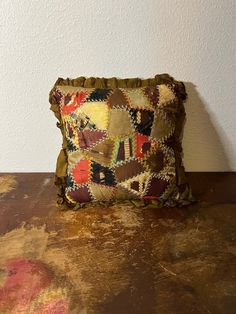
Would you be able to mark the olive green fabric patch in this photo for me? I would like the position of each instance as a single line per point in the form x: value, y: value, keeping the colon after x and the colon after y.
x: 121, y: 141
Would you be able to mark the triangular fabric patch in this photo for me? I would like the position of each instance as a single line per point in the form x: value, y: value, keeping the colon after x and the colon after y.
x: 137, y: 184
x: 165, y: 94
x: 101, y: 192
x: 88, y: 138
x: 117, y: 99
x: 138, y: 99
x: 99, y: 94
x: 102, y: 153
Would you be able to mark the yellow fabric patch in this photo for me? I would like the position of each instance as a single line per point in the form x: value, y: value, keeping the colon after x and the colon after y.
x: 165, y: 94
x: 137, y: 184
x: 101, y: 192
x: 74, y: 158
x: 97, y: 111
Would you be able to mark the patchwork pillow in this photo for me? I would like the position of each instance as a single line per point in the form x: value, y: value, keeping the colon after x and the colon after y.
x: 121, y: 141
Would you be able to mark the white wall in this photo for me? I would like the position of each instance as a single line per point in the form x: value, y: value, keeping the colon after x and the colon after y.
x: 193, y: 40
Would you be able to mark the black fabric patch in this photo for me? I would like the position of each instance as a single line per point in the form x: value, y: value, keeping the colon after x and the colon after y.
x: 135, y: 186
x: 102, y: 175
x: 143, y: 120
x: 69, y: 181
x: 99, y: 94
x: 70, y: 146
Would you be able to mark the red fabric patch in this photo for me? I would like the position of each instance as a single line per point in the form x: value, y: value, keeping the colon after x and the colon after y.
x: 81, y: 172
x: 143, y: 145
x: 77, y: 101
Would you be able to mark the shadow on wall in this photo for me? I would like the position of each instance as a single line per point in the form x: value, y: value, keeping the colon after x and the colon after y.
x: 203, y: 149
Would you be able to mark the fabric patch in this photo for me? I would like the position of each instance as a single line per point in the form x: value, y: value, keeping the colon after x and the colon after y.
x: 156, y: 188
x: 137, y: 184
x: 69, y: 181
x: 165, y: 94
x: 128, y: 170
x: 70, y: 145
x: 161, y: 128
x: 80, y: 195
x: 88, y: 138
x: 80, y: 122
x: 97, y: 112
x: 143, y: 145
x: 138, y: 99
x: 99, y: 94
x: 142, y: 120
x: 117, y: 99
x: 155, y: 161
x: 118, y: 118
x: 81, y: 172
x: 101, y: 192
x: 102, y: 175
x: 122, y: 193
x: 125, y: 149
x: 152, y: 92
x: 72, y: 102
x: 103, y: 152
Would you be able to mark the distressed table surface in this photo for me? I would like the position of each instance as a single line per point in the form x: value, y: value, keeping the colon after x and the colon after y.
x: 117, y: 259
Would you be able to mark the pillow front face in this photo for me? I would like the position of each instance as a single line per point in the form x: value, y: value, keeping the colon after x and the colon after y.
x: 120, y: 143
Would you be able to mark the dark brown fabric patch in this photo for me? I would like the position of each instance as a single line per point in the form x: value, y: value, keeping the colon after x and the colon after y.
x: 156, y: 187
x: 156, y: 161
x: 135, y: 185
x: 128, y: 170
x: 125, y: 149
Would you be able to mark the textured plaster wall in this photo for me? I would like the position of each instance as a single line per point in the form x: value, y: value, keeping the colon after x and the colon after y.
x: 194, y: 40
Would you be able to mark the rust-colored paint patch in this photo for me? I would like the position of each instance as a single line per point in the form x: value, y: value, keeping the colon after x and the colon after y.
x: 7, y: 184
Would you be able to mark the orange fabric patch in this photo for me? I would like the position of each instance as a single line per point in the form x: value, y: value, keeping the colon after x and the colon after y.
x: 81, y: 172
x: 143, y: 145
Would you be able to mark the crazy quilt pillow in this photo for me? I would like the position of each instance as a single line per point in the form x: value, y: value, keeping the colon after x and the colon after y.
x: 121, y: 140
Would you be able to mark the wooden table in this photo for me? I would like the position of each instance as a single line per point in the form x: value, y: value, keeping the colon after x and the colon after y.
x: 117, y: 259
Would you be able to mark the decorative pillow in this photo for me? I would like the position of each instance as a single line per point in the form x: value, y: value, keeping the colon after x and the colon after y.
x: 121, y: 140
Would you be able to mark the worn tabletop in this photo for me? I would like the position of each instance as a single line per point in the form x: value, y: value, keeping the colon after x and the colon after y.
x: 117, y: 259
